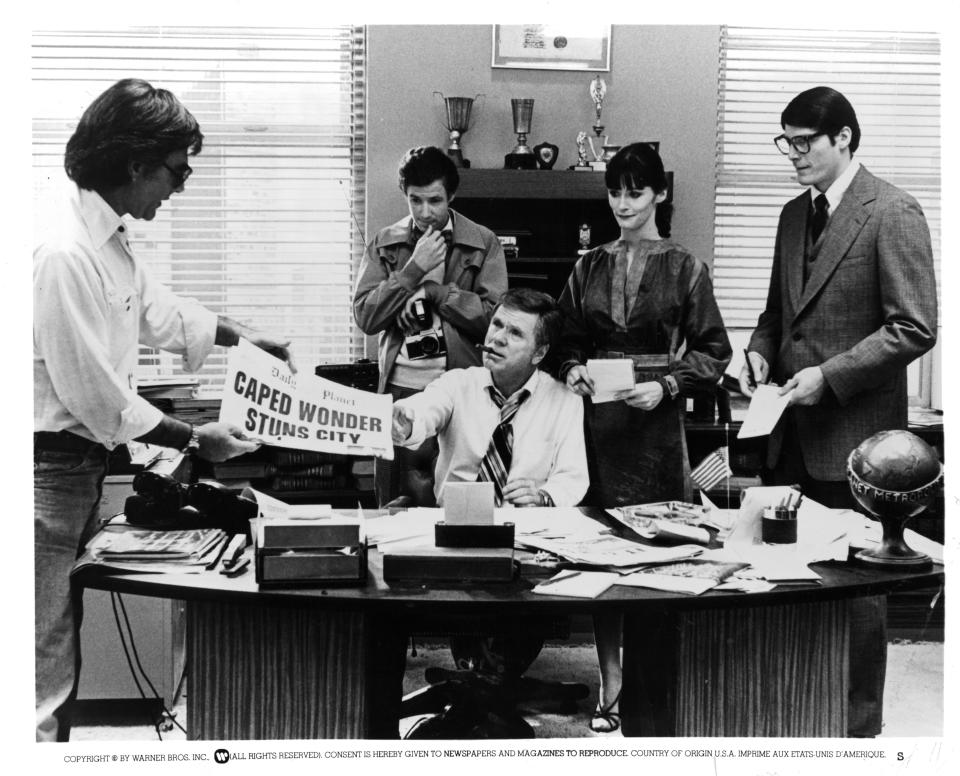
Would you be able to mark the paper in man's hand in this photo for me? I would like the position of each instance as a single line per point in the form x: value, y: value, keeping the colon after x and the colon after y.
x: 765, y: 410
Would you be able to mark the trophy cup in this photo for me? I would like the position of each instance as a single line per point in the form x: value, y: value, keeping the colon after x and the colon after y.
x: 458, y: 122
x: 521, y: 158
x: 598, y: 90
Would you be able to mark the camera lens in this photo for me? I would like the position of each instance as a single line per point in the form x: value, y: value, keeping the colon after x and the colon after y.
x: 430, y: 345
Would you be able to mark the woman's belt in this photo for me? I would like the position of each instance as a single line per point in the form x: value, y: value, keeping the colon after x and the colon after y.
x: 648, y: 366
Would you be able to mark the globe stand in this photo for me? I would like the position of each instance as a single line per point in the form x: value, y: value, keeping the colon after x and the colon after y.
x: 894, y: 475
x: 893, y: 550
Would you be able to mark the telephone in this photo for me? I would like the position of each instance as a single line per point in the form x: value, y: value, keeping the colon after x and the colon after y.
x: 160, y: 503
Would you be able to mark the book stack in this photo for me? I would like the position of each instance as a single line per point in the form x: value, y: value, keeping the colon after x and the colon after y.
x: 290, y: 475
x: 180, y: 398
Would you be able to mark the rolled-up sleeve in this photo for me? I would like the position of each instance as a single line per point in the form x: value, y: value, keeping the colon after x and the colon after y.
x: 178, y: 324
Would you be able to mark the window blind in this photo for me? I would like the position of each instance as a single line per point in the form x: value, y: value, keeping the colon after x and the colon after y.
x: 892, y: 79
x: 265, y: 229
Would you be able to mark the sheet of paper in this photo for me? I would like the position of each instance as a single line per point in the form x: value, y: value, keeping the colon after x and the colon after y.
x: 765, y: 410
x: 549, y: 522
x: 302, y: 411
x: 866, y: 533
x: 468, y: 503
x: 721, y: 519
x: 668, y: 582
x: 270, y: 507
x: 610, y: 376
x: 412, y: 526
x: 773, y: 562
x: 578, y: 584
x: 607, y: 550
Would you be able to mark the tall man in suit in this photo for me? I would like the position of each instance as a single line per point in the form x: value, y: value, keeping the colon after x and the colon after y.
x: 852, y: 301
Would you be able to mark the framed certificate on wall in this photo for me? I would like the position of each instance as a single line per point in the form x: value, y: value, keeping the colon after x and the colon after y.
x: 552, y: 46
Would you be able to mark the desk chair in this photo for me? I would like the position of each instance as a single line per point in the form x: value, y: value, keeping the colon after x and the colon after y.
x: 481, y: 696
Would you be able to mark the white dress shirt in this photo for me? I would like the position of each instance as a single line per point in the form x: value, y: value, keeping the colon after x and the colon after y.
x: 94, y: 302
x: 548, y: 444
x: 838, y: 188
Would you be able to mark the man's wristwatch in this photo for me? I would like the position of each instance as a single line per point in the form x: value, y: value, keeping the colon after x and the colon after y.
x: 193, y: 446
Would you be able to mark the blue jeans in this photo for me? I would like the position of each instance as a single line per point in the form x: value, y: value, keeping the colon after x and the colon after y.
x: 66, y: 492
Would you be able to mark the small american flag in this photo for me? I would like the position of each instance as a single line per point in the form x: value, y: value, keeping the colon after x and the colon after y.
x: 712, y: 469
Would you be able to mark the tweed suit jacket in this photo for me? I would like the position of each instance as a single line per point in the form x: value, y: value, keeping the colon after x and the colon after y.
x: 868, y: 309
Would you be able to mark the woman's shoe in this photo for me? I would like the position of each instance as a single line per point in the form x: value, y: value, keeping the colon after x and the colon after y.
x: 604, y: 720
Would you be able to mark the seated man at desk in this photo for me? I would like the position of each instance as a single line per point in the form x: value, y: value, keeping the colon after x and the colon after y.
x: 507, y: 422
x: 510, y: 423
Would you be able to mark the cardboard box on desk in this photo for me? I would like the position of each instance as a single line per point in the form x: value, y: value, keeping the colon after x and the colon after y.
x: 292, y: 552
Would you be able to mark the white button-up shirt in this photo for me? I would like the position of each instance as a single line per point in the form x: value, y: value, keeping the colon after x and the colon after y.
x: 548, y: 444
x: 94, y: 302
x: 838, y: 188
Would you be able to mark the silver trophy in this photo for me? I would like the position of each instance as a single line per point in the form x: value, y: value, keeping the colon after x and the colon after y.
x: 457, y: 111
x: 521, y: 158
x: 598, y: 90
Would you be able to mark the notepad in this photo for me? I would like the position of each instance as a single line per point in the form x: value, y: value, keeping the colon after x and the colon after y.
x: 610, y: 376
x: 766, y: 407
x: 578, y: 584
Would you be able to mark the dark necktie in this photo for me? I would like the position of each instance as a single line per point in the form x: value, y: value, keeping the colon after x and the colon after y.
x: 416, y: 233
x: 495, y: 465
x: 819, y: 219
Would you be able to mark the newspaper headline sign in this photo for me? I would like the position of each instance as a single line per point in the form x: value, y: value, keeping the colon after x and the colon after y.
x: 301, y: 411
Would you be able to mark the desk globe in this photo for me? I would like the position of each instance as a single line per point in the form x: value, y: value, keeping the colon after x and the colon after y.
x: 894, y: 475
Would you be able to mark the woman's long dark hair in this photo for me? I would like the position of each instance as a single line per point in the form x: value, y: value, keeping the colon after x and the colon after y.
x: 637, y: 166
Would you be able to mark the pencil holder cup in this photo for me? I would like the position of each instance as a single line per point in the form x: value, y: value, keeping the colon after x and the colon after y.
x: 778, y: 525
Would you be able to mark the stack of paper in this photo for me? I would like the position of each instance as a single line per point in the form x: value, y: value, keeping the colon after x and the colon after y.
x: 693, y: 576
x: 578, y: 584
x: 607, y: 550
x: 137, y: 549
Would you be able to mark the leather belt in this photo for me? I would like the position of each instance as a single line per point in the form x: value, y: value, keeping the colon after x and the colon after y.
x: 63, y: 442
x: 640, y: 360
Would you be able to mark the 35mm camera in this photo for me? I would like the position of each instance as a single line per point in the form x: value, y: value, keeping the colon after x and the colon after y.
x: 428, y: 342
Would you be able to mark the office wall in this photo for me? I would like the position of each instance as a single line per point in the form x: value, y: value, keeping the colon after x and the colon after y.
x: 662, y: 86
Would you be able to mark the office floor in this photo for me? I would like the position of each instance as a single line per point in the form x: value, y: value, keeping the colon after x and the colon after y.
x: 913, y: 699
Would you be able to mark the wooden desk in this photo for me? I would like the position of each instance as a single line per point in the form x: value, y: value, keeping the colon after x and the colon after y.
x: 305, y: 663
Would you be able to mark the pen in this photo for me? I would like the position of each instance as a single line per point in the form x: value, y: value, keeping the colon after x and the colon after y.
x: 567, y: 575
x: 752, y: 377
x: 223, y: 548
x: 234, y: 550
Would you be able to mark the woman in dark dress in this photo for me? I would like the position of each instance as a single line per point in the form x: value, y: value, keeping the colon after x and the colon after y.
x: 646, y: 298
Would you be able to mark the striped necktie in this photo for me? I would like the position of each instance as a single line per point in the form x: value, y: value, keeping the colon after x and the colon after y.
x: 495, y: 465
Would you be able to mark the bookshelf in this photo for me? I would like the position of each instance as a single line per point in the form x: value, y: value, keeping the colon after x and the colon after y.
x: 543, y: 209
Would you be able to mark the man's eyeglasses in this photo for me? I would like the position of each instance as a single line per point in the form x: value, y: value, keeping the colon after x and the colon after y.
x: 800, y: 143
x: 179, y: 176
